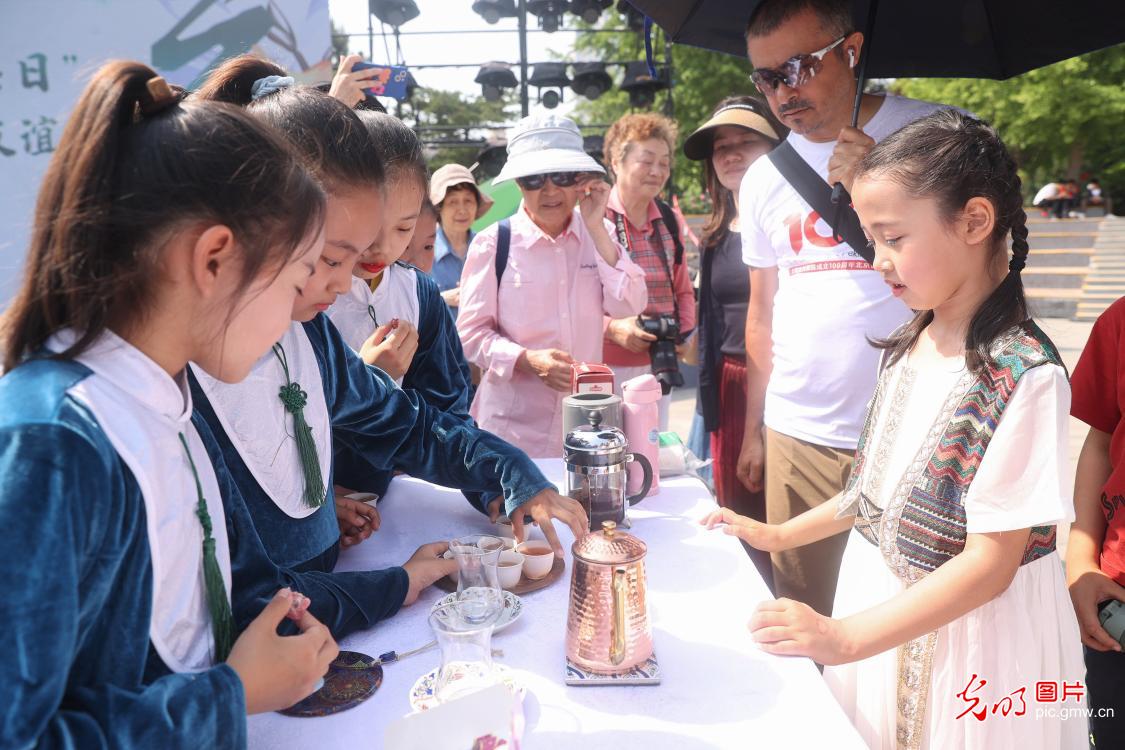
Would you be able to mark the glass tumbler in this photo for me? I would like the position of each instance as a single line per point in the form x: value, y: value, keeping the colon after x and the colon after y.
x: 478, y: 586
x: 466, y: 651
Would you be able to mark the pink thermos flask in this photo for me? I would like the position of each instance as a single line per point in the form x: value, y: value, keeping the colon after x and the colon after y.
x: 641, y: 415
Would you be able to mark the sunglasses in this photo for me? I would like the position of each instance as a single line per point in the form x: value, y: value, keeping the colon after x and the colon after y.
x: 794, y: 72
x: 560, y: 179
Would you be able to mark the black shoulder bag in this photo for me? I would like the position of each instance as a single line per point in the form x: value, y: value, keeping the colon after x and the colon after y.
x: 818, y: 194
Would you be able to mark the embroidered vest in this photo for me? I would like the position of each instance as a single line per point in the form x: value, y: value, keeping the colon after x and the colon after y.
x: 924, y: 524
x: 931, y: 521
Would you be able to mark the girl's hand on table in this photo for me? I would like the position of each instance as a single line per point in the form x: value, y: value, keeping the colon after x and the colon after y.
x: 763, y: 536
x: 790, y: 628
x: 277, y: 671
x: 425, y: 568
x: 542, y: 508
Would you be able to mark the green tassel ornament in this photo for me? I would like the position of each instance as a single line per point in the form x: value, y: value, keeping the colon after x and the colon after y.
x: 295, y: 398
x: 222, y: 622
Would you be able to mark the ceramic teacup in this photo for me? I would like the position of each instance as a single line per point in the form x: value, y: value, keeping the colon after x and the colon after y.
x: 538, y: 558
x: 510, y: 568
x: 504, y: 528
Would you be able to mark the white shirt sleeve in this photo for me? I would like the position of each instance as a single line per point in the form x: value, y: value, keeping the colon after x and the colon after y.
x: 757, y: 251
x: 1022, y: 478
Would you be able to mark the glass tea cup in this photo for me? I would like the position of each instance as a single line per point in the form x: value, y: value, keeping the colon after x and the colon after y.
x: 478, y: 584
x: 466, y: 650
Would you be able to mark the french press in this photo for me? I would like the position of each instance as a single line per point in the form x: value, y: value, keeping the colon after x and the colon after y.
x: 596, y: 459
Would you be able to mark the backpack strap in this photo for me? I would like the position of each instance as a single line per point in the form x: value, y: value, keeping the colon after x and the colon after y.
x: 503, y: 244
x: 818, y: 194
x: 670, y: 221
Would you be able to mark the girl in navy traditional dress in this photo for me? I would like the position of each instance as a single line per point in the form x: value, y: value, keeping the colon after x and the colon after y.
x: 153, y: 245
x: 327, y: 393
x: 951, y: 606
x: 425, y: 354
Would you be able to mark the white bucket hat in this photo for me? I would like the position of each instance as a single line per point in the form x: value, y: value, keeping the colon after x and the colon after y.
x: 544, y: 143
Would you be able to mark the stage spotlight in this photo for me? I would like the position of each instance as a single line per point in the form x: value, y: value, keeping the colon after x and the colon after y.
x: 493, y: 10
x: 490, y: 160
x: 589, y: 10
x: 549, y: 13
x: 393, y: 12
x: 634, y: 19
x: 493, y: 78
x: 640, y: 84
x: 590, y: 79
x: 549, y: 75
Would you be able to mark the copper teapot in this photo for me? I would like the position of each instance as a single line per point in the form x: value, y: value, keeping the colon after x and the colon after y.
x: 607, y: 628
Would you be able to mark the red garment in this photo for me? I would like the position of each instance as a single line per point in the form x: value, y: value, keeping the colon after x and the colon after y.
x: 726, y: 444
x: 646, y: 245
x: 1098, y: 388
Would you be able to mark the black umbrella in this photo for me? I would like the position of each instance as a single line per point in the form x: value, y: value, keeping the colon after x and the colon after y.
x: 920, y: 38
x: 926, y: 38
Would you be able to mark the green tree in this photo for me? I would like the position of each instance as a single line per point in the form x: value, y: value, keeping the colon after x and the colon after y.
x: 453, y: 127
x: 1064, y: 119
x: 700, y: 79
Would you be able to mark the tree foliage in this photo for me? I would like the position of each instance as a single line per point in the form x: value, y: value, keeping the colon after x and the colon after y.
x: 454, y: 127
x: 1067, y: 119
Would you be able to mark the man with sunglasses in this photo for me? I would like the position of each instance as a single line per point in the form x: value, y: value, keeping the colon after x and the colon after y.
x: 526, y: 316
x: 814, y: 302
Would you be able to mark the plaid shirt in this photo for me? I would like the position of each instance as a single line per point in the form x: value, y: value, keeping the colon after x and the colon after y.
x: 653, y: 249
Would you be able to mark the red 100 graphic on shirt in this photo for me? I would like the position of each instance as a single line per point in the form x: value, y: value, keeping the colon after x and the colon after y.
x: 799, y: 231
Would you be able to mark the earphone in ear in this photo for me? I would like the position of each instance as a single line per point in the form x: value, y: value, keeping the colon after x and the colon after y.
x: 851, y: 58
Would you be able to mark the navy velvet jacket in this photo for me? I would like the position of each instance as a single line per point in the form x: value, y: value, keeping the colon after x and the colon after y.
x: 80, y: 670
x: 388, y: 427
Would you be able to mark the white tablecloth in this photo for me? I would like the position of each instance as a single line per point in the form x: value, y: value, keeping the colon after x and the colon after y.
x: 719, y: 690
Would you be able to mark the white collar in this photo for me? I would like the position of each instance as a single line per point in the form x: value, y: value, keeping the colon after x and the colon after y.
x: 132, y: 371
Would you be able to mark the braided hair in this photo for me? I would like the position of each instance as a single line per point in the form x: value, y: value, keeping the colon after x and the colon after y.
x: 951, y: 157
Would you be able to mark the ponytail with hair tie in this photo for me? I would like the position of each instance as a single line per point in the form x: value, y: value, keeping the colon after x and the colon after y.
x: 268, y: 85
x: 158, y: 97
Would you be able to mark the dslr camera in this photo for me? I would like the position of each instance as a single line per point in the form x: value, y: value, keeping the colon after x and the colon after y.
x: 662, y: 352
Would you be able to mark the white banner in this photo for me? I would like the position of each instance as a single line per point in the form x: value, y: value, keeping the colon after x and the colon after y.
x: 49, y: 49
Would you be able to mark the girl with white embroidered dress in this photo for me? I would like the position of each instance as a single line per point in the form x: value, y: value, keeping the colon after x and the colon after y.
x: 951, y: 603
x: 152, y: 246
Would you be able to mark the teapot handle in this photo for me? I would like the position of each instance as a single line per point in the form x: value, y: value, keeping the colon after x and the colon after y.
x: 617, y: 640
x: 646, y: 468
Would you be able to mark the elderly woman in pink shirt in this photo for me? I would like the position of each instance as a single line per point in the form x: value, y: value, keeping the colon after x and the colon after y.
x: 526, y: 318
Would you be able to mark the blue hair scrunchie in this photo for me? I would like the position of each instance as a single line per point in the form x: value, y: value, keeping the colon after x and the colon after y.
x: 268, y: 85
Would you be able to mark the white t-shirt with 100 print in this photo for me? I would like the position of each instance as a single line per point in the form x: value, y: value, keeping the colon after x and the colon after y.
x: 829, y: 300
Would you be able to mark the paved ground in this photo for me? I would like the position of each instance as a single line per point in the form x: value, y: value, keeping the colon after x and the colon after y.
x: 1069, y: 336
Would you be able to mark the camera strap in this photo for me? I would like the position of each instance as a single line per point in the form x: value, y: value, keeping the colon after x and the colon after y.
x: 623, y: 238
